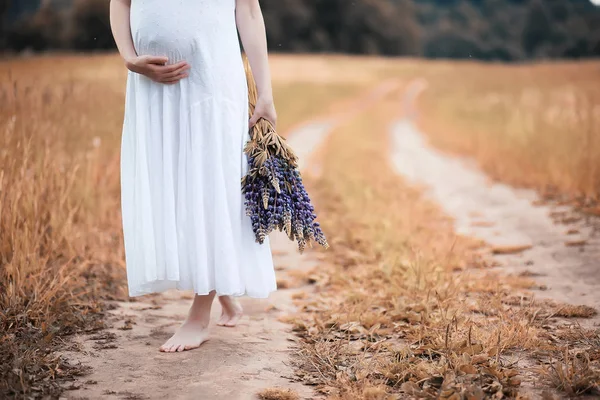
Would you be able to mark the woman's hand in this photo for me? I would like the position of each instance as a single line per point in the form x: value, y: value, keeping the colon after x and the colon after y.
x: 251, y: 28
x: 156, y: 69
x: 265, y: 108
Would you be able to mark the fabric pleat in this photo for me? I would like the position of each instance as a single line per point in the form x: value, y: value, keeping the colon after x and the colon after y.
x: 182, y: 159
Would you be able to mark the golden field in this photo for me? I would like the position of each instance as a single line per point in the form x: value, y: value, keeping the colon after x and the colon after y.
x: 61, y: 249
x: 407, y: 309
x: 394, y: 312
x: 531, y: 125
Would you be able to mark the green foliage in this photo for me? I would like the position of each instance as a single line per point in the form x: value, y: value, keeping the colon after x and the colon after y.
x: 485, y: 29
x: 365, y: 27
x: 90, y: 28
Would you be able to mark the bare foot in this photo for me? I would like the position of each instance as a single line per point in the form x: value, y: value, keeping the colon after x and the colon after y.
x: 194, y: 330
x: 232, y: 311
x: 189, y: 336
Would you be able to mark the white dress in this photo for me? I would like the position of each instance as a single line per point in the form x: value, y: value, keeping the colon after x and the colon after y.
x: 182, y: 159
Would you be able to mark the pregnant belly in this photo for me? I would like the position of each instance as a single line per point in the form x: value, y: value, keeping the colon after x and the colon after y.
x: 202, y: 33
x: 180, y: 30
x: 166, y: 39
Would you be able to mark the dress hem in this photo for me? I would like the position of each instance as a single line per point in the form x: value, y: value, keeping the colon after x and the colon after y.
x: 254, y: 295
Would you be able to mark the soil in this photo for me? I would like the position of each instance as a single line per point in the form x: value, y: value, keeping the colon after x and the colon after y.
x: 235, y: 363
x: 552, y: 244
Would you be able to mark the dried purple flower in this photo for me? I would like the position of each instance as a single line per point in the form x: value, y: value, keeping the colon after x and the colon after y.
x: 275, y: 197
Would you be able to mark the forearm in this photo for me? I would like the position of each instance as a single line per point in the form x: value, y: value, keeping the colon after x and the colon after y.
x: 251, y: 27
x: 121, y: 28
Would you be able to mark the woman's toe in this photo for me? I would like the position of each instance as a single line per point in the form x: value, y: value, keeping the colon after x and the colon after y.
x: 164, y: 347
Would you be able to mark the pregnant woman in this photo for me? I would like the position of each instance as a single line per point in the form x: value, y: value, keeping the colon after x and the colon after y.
x: 185, y: 126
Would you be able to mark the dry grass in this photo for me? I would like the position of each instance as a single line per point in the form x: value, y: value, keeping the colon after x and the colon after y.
x: 573, y: 374
x: 398, y: 311
x: 278, y: 394
x: 581, y: 311
x: 61, y: 248
x: 530, y: 125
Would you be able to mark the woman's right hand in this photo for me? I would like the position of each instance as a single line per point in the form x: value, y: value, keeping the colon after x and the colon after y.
x: 156, y: 69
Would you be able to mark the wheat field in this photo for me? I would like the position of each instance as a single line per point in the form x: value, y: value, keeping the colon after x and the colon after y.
x: 61, y: 253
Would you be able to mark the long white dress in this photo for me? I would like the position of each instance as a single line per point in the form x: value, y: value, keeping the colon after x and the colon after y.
x: 182, y: 159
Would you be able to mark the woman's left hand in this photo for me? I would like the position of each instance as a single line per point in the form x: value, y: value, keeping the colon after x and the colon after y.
x: 265, y: 108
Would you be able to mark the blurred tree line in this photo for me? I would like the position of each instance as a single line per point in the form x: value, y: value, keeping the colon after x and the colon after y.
x: 483, y: 29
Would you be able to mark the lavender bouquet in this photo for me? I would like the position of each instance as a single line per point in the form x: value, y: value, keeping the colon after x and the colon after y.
x: 275, y: 197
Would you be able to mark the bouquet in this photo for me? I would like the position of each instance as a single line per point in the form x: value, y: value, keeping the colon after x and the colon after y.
x: 275, y: 197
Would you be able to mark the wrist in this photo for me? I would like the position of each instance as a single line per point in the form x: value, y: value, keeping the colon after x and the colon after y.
x: 129, y: 62
x: 265, y: 91
x: 265, y: 98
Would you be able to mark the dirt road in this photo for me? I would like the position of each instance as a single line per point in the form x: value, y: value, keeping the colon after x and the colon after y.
x: 234, y: 364
x: 554, y: 245
x: 237, y: 363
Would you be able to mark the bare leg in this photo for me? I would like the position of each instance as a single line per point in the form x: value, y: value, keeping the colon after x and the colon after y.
x: 232, y: 311
x: 194, y: 330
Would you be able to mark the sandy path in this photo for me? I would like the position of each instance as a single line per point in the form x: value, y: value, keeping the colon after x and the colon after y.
x: 564, y: 258
x: 235, y: 363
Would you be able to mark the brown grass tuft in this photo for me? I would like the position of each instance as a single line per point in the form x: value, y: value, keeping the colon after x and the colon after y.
x: 278, y: 394
x: 581, y: 311
x: 573, y: 374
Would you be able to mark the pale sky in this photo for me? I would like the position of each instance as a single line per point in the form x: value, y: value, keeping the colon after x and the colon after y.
x: 596, y: 2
